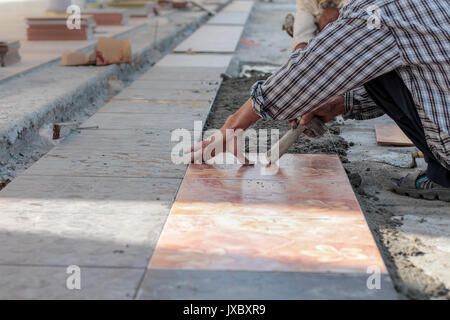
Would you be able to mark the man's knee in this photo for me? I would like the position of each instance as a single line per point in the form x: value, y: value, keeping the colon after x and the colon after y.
x: 328, y: 15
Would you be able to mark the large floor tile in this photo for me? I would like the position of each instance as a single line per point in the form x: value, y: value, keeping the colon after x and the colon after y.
x: 112, y: 163
x: 239, y: 6
x: 314, y: 167
x: 242, y: 285
x: 48, y: 220
x: 28, y: 282
x: 82, y: 195
x: 168, y: 73
x: 170, y: 107
x: 148, y: 121
x: 176, y: 90
x: 288, y: 197
x: 265, y: 244
x: 84, y: 238
x: 230, y: 18
x: 212, y: 39
x: 196, y: 60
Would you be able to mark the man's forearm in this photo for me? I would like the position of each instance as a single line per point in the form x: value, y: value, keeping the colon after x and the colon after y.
x: 243, y: 118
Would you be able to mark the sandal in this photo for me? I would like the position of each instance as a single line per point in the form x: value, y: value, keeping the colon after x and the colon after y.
x: 419, y: 186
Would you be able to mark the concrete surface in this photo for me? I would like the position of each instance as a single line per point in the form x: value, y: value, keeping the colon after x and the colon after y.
x: 74, y: 93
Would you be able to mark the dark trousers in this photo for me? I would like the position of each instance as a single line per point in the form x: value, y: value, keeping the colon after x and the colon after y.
x: 391, y: 94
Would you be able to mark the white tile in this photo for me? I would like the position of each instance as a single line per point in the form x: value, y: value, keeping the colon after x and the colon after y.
x: 31, y: 282
x: 242, y: 6
x: 212, y: 39
x: 196, y: 60
x: 230, y: 18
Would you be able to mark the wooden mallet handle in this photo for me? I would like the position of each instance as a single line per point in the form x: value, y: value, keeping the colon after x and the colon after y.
x: 286, y: 141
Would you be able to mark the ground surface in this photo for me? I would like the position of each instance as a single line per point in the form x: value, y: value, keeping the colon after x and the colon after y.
x: 413, y: 235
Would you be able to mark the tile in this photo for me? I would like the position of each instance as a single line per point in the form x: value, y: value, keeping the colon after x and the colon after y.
x: 239, y: 6
x: 269, y: 198
x: 49, y: 283
x: 265, y: 244
x: 84, y: 237
x: 195, y: 85
x: 112, y: 163
x: 176, y: 90
x: 167, y: 73
x: 151, y: 122
x: 241, y: 285
x: 230, y: 18
x: 391, y: 134
x: 169, y: 107
x: 196, y: 60
x: 290, y: 166
x: 83, y: 221
x: 78, y: 195
x: 212, y: 39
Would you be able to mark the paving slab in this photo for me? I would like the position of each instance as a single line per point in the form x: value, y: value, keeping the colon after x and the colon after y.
x: 146, y: 121
x: 112, y: 163
x: 83, y: 221
x: 212, y: 39
x: 197, y: 60
x: 49, y: 283
x: 239, y: 6
x: 169, y: 107
x: 241, y: 285
x: 164, y: 73
x: 230, y: 18
x: 174, y: 90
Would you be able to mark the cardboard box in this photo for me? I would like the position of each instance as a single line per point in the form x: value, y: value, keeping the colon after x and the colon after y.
x: 110, y: 50
x: 74, y: 58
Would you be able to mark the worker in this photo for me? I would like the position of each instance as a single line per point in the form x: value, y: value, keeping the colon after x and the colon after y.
x: 310, y: 18
x: 379, y: 57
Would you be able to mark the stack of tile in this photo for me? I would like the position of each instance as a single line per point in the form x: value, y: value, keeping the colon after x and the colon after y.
x: 55, y: 28
x: 137, y: 9
x: 9, y: 52
x: 109, y: 17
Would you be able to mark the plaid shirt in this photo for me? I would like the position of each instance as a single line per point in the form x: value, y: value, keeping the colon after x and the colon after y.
x: 413, y: 38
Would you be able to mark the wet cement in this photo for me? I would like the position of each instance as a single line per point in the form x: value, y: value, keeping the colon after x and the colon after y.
x: 234, y: 92
x: 370, y: 182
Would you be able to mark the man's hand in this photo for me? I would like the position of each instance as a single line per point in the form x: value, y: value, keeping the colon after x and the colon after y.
x: 228, y: 138
x: 327, y: 112
x: 223, y: 140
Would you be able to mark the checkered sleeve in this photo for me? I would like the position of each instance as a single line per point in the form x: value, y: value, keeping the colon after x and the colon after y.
x: 360, y: 106
x: 344, y: 56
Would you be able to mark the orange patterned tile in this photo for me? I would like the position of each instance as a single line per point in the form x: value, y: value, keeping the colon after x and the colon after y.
x: 391, y: 134
x: 308, y: 167
x: 266, y: 244
x: 304, y: 218
x: 266, y: 197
